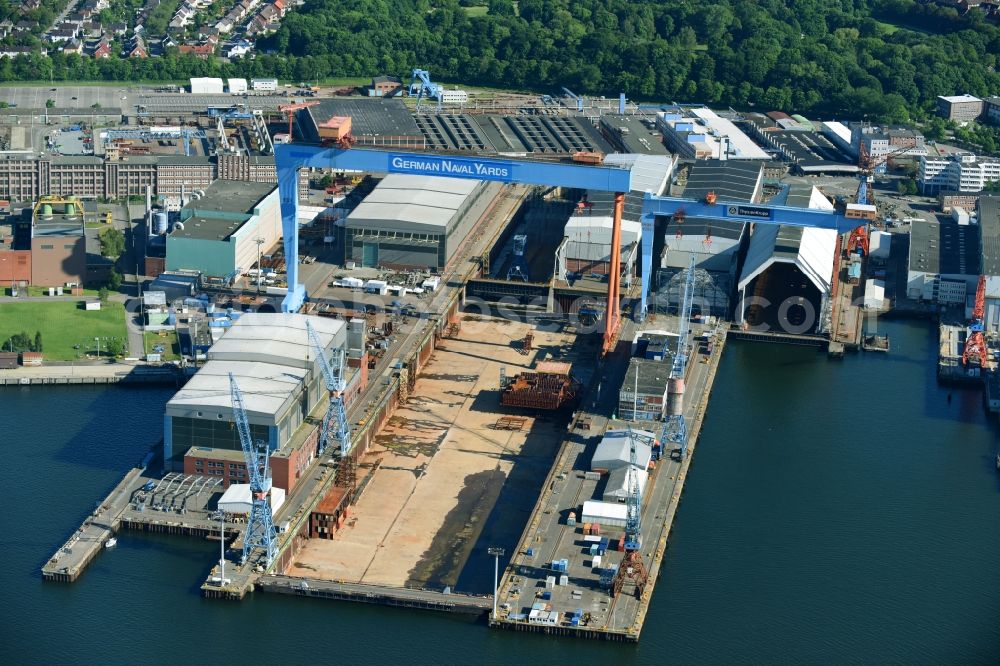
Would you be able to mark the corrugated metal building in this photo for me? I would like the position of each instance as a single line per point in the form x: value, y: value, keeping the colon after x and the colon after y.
x: 614, y: 451
x: 946, y: 259
x: 610, y: 514
x: 277, y: 371
x: 412, y: 221
x: 715, y: 244
x: 788, y: 271
x: 988, y: 212
x: 586, y: 247
x: 217, y: 233
x: 620, y: 483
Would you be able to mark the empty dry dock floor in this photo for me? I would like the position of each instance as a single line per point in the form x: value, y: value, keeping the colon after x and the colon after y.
x: 443, y: 464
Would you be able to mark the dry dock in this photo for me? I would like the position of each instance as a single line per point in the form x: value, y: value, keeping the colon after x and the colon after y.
x: 441, y: 461
x: 548, y: 537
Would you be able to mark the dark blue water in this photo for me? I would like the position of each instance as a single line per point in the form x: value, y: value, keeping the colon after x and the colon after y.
x: 835, y: 511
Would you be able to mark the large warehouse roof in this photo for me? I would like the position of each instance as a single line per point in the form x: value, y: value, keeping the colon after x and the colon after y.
x: 369, y: 118
x: 266, y: 388
x: 650, y: 173
x: 226, y: 206
x: 949, y: 248
x: 989, y: 225
x: 274, y: 338
x: 421, y: 204
x: 740, y: 146
x: 730, y: 180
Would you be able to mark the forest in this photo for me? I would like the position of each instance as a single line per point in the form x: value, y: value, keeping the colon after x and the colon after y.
x: 884, y: 59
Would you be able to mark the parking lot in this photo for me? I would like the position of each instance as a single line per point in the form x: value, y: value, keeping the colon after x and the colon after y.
x: 77, y: 97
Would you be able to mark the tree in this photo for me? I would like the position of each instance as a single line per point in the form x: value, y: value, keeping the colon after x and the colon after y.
x: 114, y: 280
x: 112, y: 243
x: 38, y: 341
x: 19, y: 342
x: 115, y: 347
x: 50, y: 103
x: 901, y: 186
x: 102, y: 294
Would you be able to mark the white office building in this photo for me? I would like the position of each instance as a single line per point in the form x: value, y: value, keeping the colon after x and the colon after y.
x: 264, y: 85
x: 963, y: 172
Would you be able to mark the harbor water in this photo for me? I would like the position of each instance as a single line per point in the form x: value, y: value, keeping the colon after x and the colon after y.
x: 835, y: 510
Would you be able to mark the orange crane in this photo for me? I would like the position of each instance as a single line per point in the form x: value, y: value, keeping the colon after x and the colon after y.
x: 867, y: 164
x: 290, y: 110
x: 975, y: 344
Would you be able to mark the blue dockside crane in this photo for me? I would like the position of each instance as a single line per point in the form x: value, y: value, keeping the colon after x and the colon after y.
x: 425, y: 87
x: 674, y: 430
x: 335, y: 424
x: 260, y: 525
x: 632, y: 566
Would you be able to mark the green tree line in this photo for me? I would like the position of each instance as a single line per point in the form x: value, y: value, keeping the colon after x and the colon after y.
x: 886, y: 59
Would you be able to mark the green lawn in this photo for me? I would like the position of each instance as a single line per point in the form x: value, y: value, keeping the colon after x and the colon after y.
x: 63, y: 324
x: 479, y: 10
x: 171, y: 347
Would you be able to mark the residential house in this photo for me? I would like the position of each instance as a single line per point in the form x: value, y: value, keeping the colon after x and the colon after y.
x: 168, y: 42
x: 91, y: 29
x: 224, y: 25
x: 203, y: 51
x: 183, y: 16
x: 14, y: 51
x: 25, y: 26
x: 61, y: 34
x: 117, y: 28
x: 136, y: 48
x: 102, y: 50
x: 31, y: 5
x: 6, y: 27
x: 238, y: 49
x: 73, y: 46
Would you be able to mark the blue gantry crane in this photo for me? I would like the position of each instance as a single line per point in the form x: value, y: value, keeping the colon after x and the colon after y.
x: 335, y: 421
x: 674, y: 431
x: 260, y: 525
x: 425, y: 87
x: 632, y: 566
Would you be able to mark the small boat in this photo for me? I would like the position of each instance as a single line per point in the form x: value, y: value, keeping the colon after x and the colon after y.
x: 998, y: 461
x: 111, y: 543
